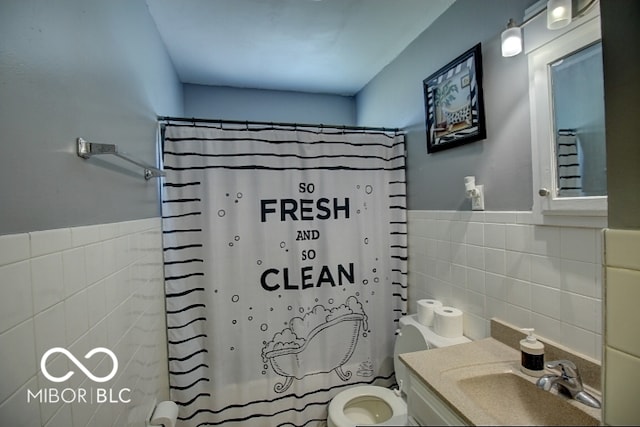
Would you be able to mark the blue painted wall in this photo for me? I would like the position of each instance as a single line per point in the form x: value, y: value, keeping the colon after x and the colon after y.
x: 96, y: 70
x: 215, y: 102
x: 501, y: 162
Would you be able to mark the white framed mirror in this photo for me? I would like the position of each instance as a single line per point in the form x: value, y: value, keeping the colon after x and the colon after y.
x: 567, y: 124
x: 577, y: 92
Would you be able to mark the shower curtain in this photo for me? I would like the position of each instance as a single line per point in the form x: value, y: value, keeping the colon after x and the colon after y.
x: 285, y: 254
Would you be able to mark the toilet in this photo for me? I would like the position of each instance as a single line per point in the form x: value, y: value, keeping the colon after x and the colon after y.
x: 380, y: 406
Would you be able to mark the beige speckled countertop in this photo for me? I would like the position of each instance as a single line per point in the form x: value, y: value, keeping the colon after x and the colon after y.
x: 441, y: 370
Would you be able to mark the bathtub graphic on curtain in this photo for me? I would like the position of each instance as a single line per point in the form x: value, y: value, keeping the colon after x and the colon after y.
x: 293, y: 352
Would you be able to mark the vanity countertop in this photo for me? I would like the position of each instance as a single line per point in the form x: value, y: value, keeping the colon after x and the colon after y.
x: 441, y: 368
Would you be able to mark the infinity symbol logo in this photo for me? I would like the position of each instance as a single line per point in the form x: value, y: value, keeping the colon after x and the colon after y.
x: 43, y: 363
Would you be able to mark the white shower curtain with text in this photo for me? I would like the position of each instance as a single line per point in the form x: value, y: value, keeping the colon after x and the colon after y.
x: 285, y: 253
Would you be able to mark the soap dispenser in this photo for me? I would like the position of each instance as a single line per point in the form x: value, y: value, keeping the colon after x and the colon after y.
x: 532, y: 352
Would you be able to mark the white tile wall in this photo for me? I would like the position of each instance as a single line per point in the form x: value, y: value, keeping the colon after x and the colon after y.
x: 497, y: 264
x: 81, y: 288
x: 622, y: 370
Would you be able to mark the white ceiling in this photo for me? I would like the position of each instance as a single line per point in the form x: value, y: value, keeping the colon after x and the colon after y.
x: 326, y: 46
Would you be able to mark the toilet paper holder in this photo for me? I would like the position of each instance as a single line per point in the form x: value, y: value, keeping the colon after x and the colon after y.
x: 163, y: 413
x: 474, y: 192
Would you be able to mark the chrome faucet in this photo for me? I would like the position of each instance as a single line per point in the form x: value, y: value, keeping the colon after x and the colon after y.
x: 568, y: 382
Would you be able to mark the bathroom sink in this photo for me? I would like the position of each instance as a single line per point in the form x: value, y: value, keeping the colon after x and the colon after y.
x: 508, y: 397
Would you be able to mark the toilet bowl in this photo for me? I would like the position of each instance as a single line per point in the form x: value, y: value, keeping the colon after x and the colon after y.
x: 367, y: 405
x: 379, y: 406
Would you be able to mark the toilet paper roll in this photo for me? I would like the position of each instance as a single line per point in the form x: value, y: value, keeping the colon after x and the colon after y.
x: 425, y: 310
x: 469, y: 182
x: 469, y: 186
x: 447, y: 322
x: 165, y: 414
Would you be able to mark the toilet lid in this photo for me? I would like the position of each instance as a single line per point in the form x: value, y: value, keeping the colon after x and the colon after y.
x: 397, y: 404
x: 410, y: 339
x: 417, y: 337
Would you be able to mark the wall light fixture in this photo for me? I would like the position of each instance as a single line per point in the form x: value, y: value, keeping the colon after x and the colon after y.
x: 559, y: 15
x: 511, y: 39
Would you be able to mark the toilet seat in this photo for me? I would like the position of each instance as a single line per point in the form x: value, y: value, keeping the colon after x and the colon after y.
x: 396, y: 403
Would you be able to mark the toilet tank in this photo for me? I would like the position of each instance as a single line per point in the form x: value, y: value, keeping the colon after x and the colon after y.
x: 414, y: 336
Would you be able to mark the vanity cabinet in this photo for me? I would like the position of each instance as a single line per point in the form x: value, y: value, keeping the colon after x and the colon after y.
x: 427, y: 409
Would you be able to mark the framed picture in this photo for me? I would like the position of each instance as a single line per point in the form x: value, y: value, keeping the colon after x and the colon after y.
x: 454, y: 105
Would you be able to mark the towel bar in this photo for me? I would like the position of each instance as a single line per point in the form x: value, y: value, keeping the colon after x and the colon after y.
x: 86, y: 150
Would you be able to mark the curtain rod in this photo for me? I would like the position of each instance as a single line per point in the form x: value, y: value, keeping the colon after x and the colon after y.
x: 249, y: 122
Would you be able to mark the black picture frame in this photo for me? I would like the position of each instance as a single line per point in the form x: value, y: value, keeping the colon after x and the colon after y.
x: 454, y: 103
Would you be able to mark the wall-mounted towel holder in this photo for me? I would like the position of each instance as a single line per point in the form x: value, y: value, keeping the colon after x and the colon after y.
x: 86, y: 150
x: 474, y: 192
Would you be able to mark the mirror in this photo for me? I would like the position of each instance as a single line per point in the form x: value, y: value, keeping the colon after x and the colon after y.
x: 577, y: 96
x: 566, y: 96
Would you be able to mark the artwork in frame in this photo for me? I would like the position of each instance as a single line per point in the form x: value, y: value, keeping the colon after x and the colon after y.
x: 454, y: 104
